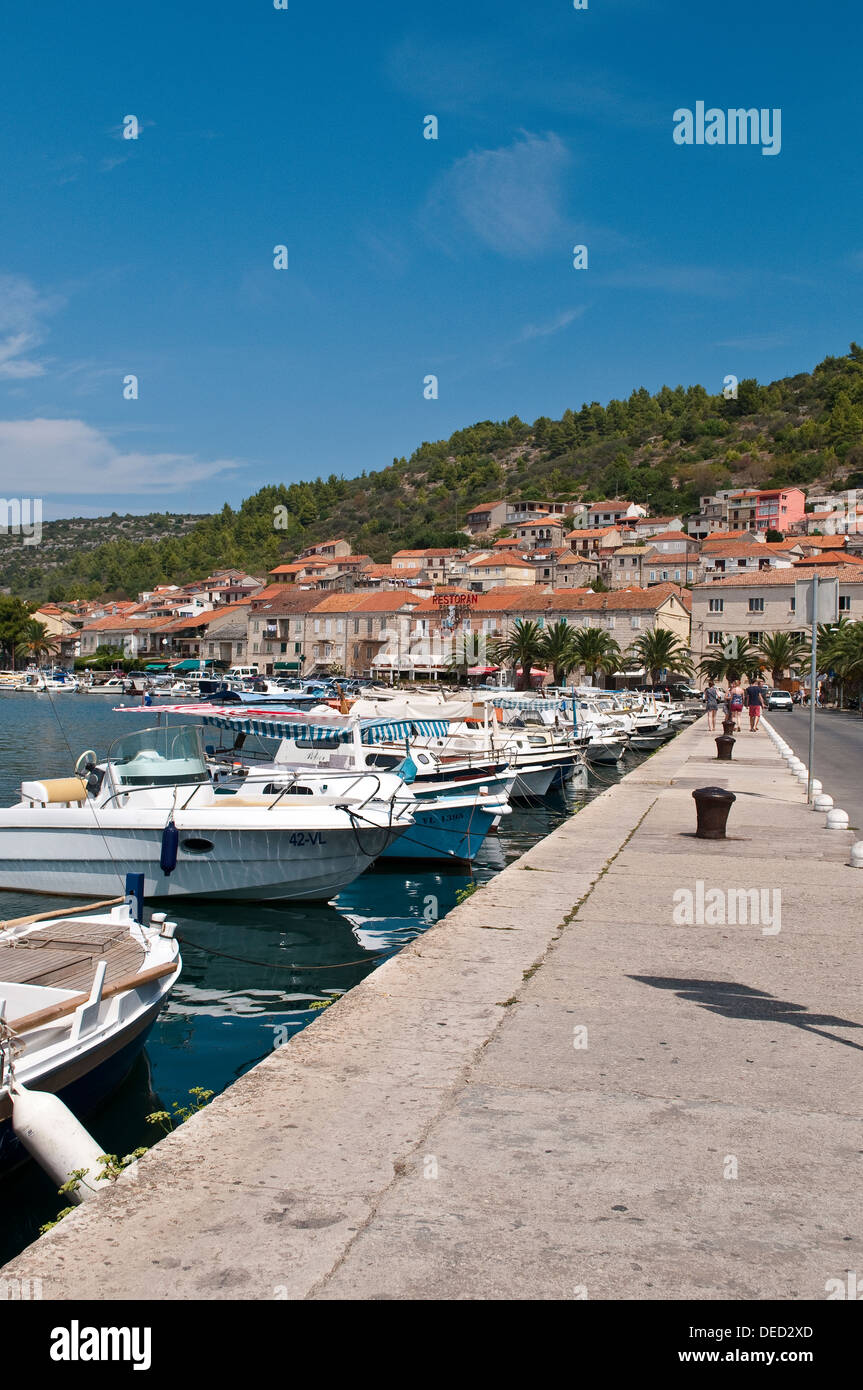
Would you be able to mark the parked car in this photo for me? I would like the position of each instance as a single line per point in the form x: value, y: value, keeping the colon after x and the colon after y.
x: 780, y: 699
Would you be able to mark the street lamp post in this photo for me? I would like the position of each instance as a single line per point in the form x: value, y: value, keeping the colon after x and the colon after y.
x: 813, y: 672
x: 823, y: 596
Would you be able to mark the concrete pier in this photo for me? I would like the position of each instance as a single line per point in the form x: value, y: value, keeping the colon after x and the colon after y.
x: 565, y: 1089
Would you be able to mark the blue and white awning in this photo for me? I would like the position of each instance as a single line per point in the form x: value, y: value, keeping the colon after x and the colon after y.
x: 534, y: 706
x: 335, y: 731
x: 393, y: 730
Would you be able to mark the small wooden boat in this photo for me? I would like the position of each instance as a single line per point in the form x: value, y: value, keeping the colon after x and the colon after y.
x: 79, y: 992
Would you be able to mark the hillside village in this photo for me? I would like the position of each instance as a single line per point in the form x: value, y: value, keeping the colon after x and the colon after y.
x: 727, y: 570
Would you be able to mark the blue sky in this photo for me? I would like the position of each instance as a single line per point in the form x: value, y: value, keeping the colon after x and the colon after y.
x: 407, y: 256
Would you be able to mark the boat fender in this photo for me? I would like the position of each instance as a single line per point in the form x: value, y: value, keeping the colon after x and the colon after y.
x: 55, y: 1139
x: 170, y: 843
x: 407, y: 770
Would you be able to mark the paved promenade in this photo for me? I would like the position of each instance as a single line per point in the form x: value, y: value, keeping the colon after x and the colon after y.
x: 559, y: 1091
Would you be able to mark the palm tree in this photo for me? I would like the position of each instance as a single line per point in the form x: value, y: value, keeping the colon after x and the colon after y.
x: 841, y: 649
x: 595, y: 651
x: 660, y: 650
x: 38, y: 641
x: 521, y: 649
x: 557, y: 649
x: 735, y: 658
x: 782, y: 651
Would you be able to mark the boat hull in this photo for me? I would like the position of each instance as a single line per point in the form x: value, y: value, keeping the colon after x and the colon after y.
x: 450, y: 833
x: 535, y: 781
x: 83, y: 1083
x: 606, y: 752
x: 248, y: 864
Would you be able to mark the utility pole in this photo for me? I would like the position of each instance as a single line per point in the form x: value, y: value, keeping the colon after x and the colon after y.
x: 813, y: 673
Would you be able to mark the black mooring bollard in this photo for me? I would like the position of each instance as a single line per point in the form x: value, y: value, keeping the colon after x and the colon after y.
x: 712, y: 805
x: 728, y: 726
x: 724, y: 746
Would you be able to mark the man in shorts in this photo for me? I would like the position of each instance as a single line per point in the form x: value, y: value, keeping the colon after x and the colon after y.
x: 755, y: 701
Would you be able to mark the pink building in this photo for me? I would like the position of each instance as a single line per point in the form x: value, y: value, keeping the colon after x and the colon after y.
x: 777, y: 509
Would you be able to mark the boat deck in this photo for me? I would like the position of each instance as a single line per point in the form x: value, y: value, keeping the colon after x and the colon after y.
x: 64, y: 955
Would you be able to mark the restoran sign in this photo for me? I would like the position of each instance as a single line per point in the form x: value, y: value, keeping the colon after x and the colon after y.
x: 455, y: 600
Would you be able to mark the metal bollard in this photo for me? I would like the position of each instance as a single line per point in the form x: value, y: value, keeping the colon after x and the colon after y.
x: 724, y: 746
x: 712, y: 805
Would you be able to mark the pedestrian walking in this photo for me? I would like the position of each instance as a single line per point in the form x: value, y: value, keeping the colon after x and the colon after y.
x: 711, y: 703
x: 735, y: 703
x: 756, y: 697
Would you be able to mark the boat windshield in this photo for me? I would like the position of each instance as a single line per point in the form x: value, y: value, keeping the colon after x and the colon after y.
x: 163, y: 757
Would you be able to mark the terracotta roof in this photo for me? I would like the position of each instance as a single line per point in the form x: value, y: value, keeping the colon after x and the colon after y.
x: 614, y: 504
x: 506, y: 557
x: 204, y: 619
x: 828, y: 559
x: 339, y: 603
x: 669, y: 536
x: 387, y: 572
x: 590, y: 532
x: 421, y: 554
x: 628, y: 600
x: 821, y: 542
x: 486, y: 506
x: 120, y: 624
x: 723, y: 536
x: 501, y: 599
x: 283, y: 600
x: 387, y: 602
x: 849, y: 574
x: 744, y: 549
x: 505, y: 599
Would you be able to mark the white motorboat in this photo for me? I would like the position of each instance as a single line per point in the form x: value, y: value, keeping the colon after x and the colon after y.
x: 450, y: 819
x: 152, y: 808
x: 115, y: 685
x: 472, y: 731
x: 78, y: 997
x: 51, y: 682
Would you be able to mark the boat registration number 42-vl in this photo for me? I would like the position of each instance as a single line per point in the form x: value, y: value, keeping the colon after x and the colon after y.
x: 310, y: 837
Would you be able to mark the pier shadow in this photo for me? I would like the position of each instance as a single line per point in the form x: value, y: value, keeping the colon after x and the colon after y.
x: 732, y: 1000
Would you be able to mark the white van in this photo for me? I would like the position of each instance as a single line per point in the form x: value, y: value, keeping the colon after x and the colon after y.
x: 244, y: 673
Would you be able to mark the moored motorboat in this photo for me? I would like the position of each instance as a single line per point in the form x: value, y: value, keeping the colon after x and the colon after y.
x: 152, y: 808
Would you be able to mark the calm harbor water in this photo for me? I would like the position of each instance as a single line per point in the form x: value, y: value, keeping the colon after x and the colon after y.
x: 254, y: 972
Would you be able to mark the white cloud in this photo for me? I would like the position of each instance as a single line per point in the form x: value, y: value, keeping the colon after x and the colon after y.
x: 506, y: 199
x: 70, y: 457
x: 555, y: 325
x: 22, y: 309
